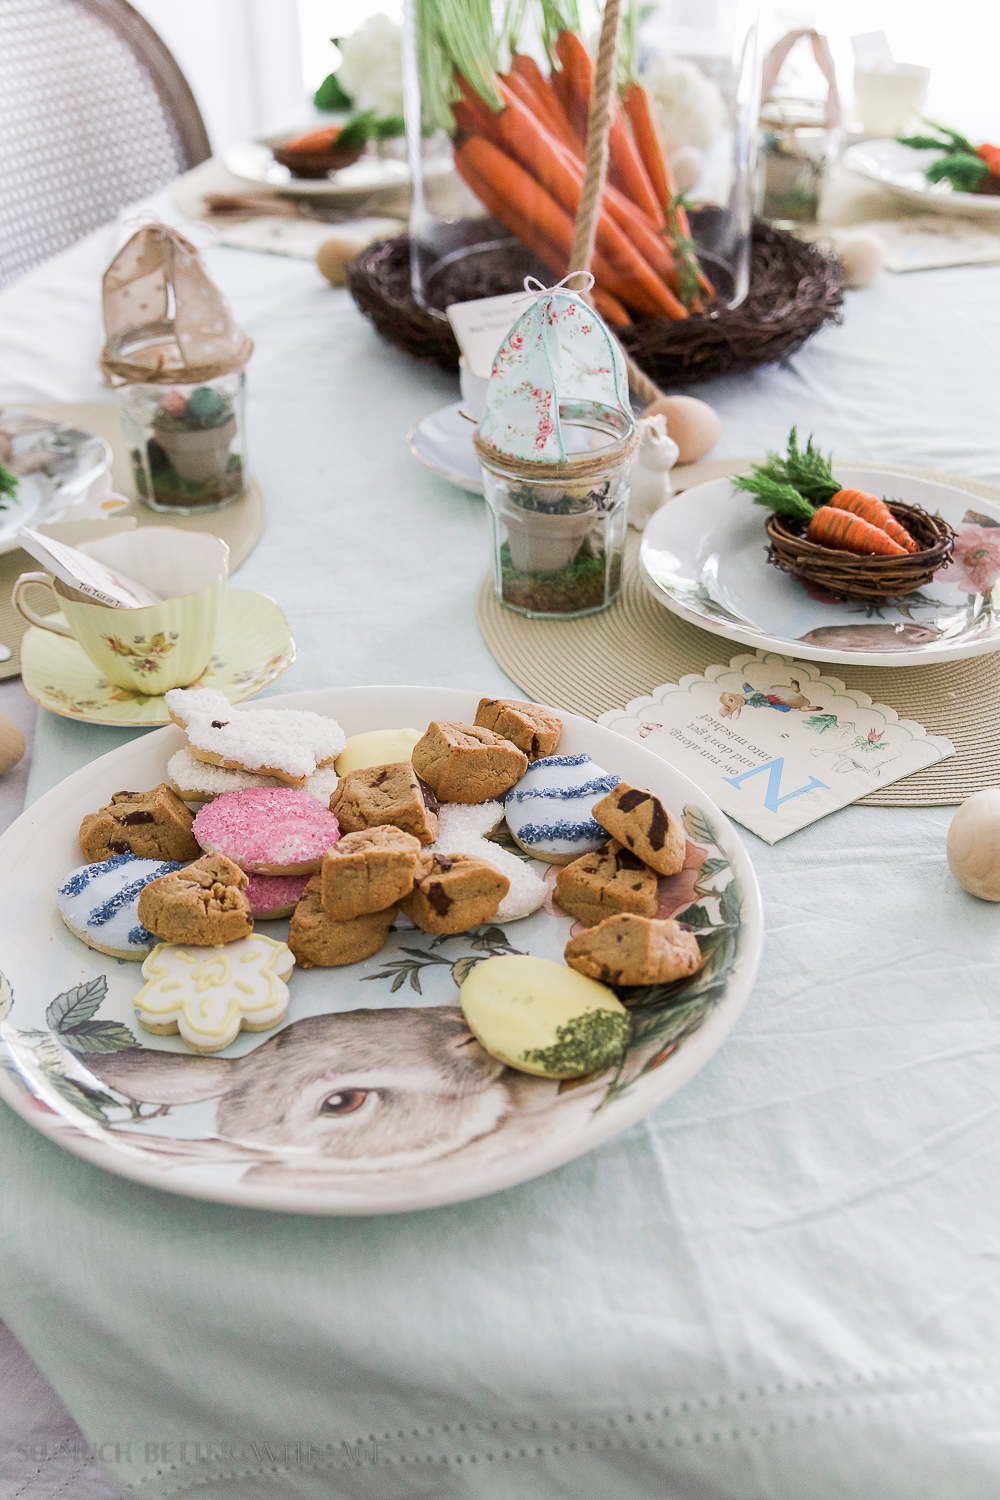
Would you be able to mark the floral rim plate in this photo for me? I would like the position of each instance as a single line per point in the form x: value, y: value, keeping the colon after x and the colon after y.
x: 901, y: 169
x: 704, y: 555
x: 56, y: 465
x: 254, y: 646
x: 442, y: 441
x: 372, y: 1097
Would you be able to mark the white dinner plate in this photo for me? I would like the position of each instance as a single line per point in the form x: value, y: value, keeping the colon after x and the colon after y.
x: 901, y: 169
x: 368, y: 176
x: 55, y: 464
x: 704, y: 555
x: 428, y: 1121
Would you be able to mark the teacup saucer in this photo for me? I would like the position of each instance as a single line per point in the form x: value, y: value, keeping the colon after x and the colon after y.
x: 254, y: 646
x: 442, y: 441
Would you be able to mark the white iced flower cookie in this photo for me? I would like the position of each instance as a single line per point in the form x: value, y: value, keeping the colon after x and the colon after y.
x: 462, y: 829
x: 99, y: 903
x: 550, y: 810
x: 210, y: 994
x: 286, y: 744
x: 197, y: 780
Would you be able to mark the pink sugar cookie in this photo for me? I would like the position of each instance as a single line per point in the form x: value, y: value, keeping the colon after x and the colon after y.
x: 267, y: 830
x: 273, y: 896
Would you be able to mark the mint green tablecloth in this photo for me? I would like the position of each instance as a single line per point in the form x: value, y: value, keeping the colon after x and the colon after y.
x: 781, y: 1284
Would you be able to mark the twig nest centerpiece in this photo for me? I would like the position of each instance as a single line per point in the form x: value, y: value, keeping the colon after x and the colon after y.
x: 555, y: 444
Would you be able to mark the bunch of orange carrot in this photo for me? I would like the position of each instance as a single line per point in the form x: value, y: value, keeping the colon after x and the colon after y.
x: 525, y: 163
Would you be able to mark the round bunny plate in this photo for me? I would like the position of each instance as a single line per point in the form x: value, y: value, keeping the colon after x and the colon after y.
x: 704, y: 555
x: 372, y: 1096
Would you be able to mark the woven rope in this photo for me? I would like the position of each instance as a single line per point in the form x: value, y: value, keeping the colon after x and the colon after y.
x: 598, y: 126
x: 599, y: 663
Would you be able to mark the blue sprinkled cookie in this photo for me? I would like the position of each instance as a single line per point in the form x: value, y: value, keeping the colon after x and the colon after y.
x: 550, y: 810
x: 100, y: 904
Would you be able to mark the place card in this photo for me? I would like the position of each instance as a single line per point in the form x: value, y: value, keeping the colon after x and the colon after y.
x: 482, y: 325
x: 776, y: 742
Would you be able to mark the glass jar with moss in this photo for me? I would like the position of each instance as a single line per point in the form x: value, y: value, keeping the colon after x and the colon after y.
x: 558, y: 530
x: 174, y: 356
x: 187, y: 443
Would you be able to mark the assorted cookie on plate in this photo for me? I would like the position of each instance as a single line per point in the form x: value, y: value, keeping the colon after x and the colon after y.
x: 348, y: 838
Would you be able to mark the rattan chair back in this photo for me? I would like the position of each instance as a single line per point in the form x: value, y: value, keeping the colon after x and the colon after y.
x: 94, y: 114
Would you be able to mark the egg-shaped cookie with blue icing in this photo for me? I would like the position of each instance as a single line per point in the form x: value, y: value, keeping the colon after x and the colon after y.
x: 550, y: 810
x: 99, y: 903
x: 544, y: 1018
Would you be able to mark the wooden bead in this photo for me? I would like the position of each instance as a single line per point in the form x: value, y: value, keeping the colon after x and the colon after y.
x: 11, y: 744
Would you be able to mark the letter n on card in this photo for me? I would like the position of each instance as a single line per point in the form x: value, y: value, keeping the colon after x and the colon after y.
x: 776, y: 742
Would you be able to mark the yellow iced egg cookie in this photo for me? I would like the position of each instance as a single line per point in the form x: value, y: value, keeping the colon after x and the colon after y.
x: 209, y: 994
x: 376, y: 747
x: 543, y: 1018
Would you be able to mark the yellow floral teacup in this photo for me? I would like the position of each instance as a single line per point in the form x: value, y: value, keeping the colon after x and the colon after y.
x: 159, y: 647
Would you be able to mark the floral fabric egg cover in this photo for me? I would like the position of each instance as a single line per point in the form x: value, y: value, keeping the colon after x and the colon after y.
x: 559, y: 351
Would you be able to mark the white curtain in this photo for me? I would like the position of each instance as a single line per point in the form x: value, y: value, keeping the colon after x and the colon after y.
x: 242, y: 58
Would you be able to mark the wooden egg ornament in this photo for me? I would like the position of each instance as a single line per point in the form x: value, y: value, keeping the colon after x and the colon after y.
x: 694, y: 425
x: 862, y: 256
x: 11, y: 744
x: 974, y: 844
x: 335, y: 255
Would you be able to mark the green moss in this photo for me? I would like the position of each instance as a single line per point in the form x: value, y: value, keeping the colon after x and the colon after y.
x: 587, y: 1044
x: 580, y: 585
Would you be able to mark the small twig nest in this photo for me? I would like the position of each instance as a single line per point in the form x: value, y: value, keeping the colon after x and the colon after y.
x: 316, y: 163
x: 852, y: 576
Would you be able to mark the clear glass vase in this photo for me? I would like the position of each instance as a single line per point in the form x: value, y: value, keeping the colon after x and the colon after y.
x: 557, y: 531
x: 187, y: 443
x: 698, y: 62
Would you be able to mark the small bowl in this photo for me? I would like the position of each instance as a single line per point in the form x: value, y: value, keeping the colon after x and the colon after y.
x: 854, y: 576
x: 316, y: 163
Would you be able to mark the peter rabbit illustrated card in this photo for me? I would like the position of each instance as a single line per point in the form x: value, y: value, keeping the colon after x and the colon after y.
x: 777, y: 742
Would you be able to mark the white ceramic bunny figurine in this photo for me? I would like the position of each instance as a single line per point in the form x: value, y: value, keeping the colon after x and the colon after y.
x: 650, y: 480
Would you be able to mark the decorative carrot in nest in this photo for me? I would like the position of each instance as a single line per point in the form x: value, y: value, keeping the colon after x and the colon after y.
x: 849, y: 533
x: 810, y: 473
x: 871, y: 508
x: 797, y: 487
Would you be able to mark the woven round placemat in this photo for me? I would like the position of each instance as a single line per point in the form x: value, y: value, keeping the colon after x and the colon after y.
x: 601, y: 662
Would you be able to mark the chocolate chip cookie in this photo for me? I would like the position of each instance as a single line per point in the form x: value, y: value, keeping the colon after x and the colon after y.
x: 375, y: 795
x: 606, y: 883
x: 368, y: 871
x: 641, y: 822
x: 151, y: 825
x: 534, y: 730
x: 320, y: 942
x: 457, y: 892
x: 634, y: 950
x: 466, y: 763
x: 203, y: 904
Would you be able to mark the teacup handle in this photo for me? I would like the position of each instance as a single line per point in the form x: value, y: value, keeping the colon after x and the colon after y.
x: 45, y: 622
